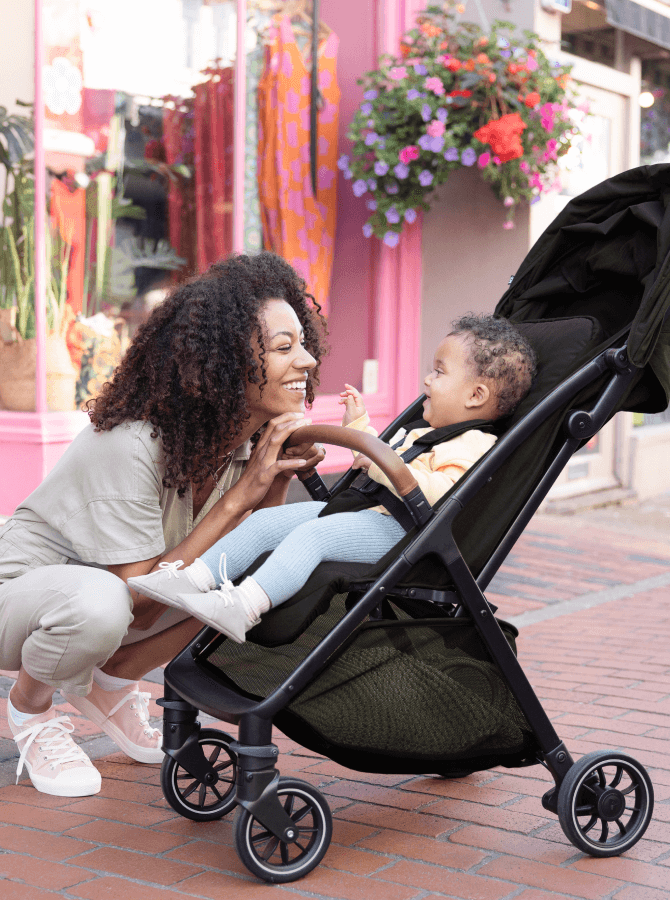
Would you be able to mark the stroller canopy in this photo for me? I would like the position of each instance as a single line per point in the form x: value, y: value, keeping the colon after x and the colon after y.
x: 607, y: 255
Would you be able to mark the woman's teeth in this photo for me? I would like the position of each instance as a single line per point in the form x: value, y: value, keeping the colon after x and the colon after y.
x: 296, y: 386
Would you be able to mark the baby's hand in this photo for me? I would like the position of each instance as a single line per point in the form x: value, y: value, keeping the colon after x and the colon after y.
x: 354, y: 407
x: 361, y: 462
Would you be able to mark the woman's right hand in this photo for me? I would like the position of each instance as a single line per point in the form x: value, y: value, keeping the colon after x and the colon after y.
x: 265, y: 462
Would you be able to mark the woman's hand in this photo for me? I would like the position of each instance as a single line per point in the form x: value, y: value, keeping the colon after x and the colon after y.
x: 268, y: 461
x: 353, y: 404
x: 313, y: 454
x: 361, y: 462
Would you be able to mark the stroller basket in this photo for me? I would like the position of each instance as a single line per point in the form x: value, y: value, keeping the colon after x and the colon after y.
x: 449, y: 701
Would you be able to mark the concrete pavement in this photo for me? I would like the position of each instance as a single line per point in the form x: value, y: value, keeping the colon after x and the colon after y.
x: 591, y: 594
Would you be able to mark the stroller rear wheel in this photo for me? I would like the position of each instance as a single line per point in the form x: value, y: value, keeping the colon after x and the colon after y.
x: 196, y: 799
x: 605, y: 803
x: 272, y: 859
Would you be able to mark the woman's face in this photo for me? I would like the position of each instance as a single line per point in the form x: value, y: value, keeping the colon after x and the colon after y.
x: 286, y: 361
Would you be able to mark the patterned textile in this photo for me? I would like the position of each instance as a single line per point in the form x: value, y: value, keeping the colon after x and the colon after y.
x: 297, y: 225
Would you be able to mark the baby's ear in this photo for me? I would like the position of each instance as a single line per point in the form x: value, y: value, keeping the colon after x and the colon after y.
x: 479, y: 396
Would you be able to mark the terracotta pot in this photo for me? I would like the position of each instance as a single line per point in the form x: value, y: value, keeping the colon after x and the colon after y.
x: 17, y: 374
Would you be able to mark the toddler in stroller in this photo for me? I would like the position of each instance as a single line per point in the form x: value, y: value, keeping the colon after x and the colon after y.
x: 400, y: 666
x: 481, y: 371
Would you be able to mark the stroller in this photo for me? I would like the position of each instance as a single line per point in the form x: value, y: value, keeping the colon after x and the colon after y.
x: 402, y: 666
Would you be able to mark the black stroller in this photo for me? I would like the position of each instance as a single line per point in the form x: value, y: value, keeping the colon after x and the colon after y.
x: 402, y: 667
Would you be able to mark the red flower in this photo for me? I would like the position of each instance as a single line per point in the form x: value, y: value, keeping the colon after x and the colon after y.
x: 503, y: 136
x: 460, y: 94
x: 532, y: 99
x: 453, y: 64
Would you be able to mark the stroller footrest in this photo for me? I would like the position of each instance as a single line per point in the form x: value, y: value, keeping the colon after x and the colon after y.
x: 207, y: 690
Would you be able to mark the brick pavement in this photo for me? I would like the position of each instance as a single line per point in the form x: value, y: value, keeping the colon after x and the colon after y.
x: 594, y: 601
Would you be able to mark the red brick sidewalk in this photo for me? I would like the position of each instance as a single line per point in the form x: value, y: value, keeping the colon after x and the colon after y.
x: 603, y: 674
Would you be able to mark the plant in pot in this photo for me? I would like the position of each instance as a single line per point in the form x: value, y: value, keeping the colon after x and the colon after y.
x: 17, y: 281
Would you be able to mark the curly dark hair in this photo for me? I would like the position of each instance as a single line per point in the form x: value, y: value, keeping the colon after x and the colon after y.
x: 187, y: 368
x: 500, y: 354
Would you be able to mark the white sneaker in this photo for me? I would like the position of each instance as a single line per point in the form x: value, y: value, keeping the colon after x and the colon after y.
x: 56, y: 765
x: 229, y: 609
x: 165, y: 584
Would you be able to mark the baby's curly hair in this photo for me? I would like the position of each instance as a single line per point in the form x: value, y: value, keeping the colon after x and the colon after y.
x: 500, y: 354
x: 188, y: 366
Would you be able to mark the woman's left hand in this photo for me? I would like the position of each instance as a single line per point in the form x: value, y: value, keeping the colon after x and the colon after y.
x: 313, y: 454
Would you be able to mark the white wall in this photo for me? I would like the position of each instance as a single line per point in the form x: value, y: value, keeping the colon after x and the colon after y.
x: 16, y: 53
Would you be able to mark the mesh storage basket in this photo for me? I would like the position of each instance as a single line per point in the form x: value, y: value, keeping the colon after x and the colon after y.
x: 418, y: 689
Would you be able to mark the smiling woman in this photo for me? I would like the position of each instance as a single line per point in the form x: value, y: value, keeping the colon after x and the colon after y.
x: 184, y: 442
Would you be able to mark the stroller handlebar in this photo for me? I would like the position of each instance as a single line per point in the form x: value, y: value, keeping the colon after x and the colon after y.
x: 380, y: 453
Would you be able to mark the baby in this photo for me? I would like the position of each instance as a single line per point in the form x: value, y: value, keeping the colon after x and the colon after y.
x: 482, y: 370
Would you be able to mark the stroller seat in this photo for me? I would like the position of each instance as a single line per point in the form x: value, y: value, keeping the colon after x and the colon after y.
x: 402, y: 666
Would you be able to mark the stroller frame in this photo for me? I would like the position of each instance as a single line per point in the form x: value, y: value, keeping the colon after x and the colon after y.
x: 190, y: 685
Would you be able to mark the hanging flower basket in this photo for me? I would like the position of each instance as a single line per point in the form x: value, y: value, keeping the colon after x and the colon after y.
x: 457, y: 97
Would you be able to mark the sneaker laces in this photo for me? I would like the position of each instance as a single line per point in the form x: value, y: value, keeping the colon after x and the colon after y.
x: 171, y: 568
x: 141, y: 698
x: 226, y: 586
x: 54, y: 742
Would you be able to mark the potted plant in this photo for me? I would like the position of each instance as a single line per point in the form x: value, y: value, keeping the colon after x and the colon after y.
x: 457, y: 97
x: 17, y: 281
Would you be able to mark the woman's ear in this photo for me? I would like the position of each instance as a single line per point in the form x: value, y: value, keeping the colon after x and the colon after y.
x: 479, y: 396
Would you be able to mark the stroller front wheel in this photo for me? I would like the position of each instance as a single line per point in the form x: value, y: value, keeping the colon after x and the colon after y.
x: 277, y: 861
x: 605, y: 803
x: 196, y: 799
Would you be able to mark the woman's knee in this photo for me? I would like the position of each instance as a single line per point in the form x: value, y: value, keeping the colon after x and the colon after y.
x: 102, y: 606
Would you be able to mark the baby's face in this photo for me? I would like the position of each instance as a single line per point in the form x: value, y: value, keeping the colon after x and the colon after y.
x: 450, y: 384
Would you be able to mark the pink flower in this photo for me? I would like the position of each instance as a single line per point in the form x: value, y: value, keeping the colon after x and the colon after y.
x: 434, y: 84
x: 508, y: 201
x: 524, y: 166
x: 436, y: 128
x: 484, y: 160
x: 496, y: 160
x: 397, y: 73
x: 408, y: 154
x: 508, y: 225
x: 547, y: 116
x: 532, y: 64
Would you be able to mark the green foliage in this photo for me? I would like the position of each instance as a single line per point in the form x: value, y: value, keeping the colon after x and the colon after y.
x: 457, y: 97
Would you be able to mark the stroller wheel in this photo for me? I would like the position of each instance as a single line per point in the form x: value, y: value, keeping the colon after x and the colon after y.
x: 605, y: 803
x: 271, y: 859
x: 195, y: 799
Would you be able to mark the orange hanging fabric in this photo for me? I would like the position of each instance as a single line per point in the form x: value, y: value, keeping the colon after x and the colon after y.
x: 68, y: 214
x: 297, y: 225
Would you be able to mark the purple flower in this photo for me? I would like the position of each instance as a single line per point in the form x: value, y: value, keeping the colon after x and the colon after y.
x: 410, y: 215
x: 451, y: 154
x: 372, y: 184
x: 347, y: 173
x: 413, y: 94
x: 343, y: 162
x: 359, y: 187
x: 442, y: 114
x: 371, y: 95
x: 381, y: 168
x: 426, y: 112
x: 506, y: 54
x: 366, y: 109
x: 469, y: 157
x: 425, y: 178
x: 371, y: 205
x: 436, y: 143
x: 371, y: 138
x: 420, y: 69
x: 391, y: 238
x: 381, y: 143
x: 401, y: 171
x: 367, y: 230
x: 392, y: 188
x: 371, y: 123
x: 425, y: 141
x: 392, y: 215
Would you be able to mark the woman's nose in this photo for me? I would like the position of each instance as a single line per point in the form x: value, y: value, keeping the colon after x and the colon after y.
x: 305, y: 361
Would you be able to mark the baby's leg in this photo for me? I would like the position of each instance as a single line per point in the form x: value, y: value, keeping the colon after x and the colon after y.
x: 363, y: 536
x: 261, y: 531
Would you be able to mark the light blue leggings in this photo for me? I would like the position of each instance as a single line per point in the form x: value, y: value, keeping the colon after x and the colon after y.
x: 300, y: 541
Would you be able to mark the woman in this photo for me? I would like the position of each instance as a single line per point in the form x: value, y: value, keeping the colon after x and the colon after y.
x: 183, y: 444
